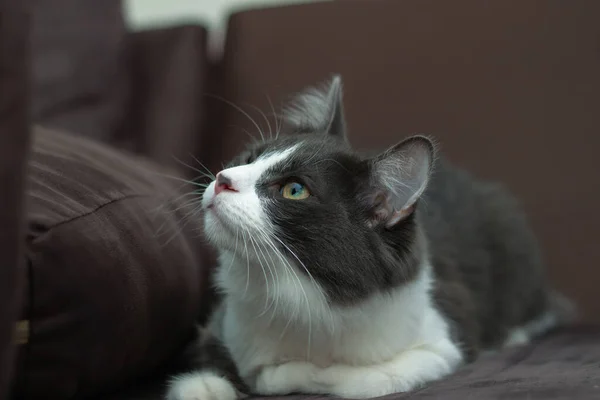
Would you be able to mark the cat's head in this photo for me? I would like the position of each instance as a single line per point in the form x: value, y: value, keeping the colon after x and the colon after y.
x: 307, y: 200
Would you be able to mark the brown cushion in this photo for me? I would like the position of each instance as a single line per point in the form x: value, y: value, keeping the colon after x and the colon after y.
x: 510, y: 88
x: 114, y: 280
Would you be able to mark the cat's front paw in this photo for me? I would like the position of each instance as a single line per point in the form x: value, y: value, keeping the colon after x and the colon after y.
x: 203, y: 385
x: 290, y: 377
x: 361, y: 383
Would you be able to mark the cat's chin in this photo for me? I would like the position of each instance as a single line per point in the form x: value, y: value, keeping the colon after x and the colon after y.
x: 217, y: 230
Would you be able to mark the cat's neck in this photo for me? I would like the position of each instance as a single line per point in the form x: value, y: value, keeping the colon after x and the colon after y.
x: 272, y: 289
x: 278, y: 292
x: 390, y: 321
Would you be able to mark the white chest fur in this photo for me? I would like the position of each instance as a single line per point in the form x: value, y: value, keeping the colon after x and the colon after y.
x: 295, y: 323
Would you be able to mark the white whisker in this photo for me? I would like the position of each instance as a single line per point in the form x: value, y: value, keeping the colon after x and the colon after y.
x: 241, y: 110
x: 252, y: 242
x: 277, y: 120
x: 208, y: 171
x: 266, y: 119
x: 202, y: 173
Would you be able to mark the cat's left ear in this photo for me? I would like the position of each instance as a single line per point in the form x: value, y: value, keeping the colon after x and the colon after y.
x: 399, y: 176
x: 319, y: 110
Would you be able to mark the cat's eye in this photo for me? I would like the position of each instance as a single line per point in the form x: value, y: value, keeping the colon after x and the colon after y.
x: 294, y: 191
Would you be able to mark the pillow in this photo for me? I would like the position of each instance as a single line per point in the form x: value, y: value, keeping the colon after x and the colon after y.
x: 114, y: 277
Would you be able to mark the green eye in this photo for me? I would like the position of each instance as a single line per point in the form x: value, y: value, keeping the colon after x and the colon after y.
x: 294, y: 191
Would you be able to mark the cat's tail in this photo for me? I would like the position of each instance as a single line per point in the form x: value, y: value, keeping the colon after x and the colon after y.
x: 563, y: 309
x: 560, y: 311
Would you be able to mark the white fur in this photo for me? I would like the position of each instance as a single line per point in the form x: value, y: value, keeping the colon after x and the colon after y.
x: 203, y: 385
x: 522, y: 335
x: 391, y: 343
x: 284, y: 335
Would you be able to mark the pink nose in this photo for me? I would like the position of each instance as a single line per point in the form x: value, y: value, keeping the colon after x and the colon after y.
x: 223, y: 183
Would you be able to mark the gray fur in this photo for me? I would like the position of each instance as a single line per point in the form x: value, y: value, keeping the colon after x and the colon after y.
x: 371, y: 221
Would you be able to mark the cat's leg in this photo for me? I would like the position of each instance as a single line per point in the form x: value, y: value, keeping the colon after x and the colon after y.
x: 212, y: 373
x: 407, y: 371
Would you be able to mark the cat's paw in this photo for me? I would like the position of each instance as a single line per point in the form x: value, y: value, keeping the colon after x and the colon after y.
x: 286, y: 378
x: 203, y: 385
x: 373, y: 383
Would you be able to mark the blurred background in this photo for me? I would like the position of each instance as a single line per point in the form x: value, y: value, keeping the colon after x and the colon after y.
x: 212, y: 14
x: 510, y: 89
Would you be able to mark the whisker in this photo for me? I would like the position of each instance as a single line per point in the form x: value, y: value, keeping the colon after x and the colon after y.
x: 262, y: 268
x: 247, y: 262
x: 161, y: 208
x: 274, y: 297
x: 265, y: 118
x: 254, y: 139
x: 179, y: 179
x: 211, y: 175
x: 303, y: 291
x: 277, y: 126
x: 197, y: 198
x: 264, y: 238
x: 241, y: 110
x: 287, y: 268
x: 323, y: 297
x: 188, y: 217
x: 189, y: 203
x: 202, y: 173
x: 235, y: 250
x: 175, y: 200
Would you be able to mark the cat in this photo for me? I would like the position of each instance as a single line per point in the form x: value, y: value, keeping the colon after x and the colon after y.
x: 359, y: 276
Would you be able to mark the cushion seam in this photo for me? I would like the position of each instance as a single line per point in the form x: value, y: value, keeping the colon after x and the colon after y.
x: 88, y: 213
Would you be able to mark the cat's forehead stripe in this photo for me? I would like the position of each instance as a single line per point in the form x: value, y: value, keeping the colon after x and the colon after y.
x: 271, y: 158
x: 251, y: 173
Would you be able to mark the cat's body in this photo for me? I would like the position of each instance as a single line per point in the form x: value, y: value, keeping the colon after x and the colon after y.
x: 335, y: 282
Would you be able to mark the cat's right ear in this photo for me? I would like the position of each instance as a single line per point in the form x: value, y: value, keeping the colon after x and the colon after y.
x: 319, y: 110
x: 398, y: 178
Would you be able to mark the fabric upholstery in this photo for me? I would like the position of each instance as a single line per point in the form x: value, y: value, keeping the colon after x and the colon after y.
x: 167, y: 78
x: 510, y: 89
x: 14, y: 140
x: 562, y: 366
x: 114, y: 273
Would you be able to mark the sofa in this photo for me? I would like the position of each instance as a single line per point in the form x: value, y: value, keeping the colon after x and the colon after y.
x: 101, y: 126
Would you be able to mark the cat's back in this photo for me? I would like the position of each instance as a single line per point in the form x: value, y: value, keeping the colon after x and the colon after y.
x: 489, y: 272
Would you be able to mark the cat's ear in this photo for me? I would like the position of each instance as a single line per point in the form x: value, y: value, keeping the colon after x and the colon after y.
x: 399, y: 176
x: 319, y: 110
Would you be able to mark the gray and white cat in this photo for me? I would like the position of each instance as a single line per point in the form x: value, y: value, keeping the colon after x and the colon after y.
x: 358, y: 276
